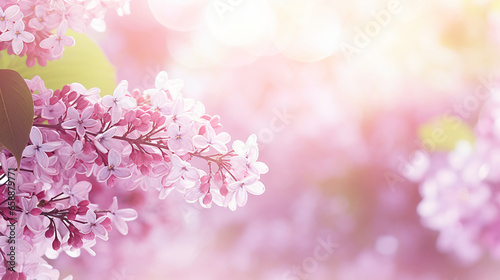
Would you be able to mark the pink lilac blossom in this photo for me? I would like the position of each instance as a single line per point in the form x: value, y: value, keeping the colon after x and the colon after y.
x: 459, y: 189
x: 115, y: 141
x: 26, y: 26
x: 56, y: 43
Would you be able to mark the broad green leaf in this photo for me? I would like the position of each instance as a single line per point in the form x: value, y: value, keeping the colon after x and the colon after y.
x: 84, y: 63
x: 443, y: 133
x: 16, y: 112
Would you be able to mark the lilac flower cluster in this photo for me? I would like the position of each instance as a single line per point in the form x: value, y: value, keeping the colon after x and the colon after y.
x: 26, y: 26
x: 155, y: 140
x: 460, y: 192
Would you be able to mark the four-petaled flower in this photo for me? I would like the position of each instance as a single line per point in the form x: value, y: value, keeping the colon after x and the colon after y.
x: 80, y: 122
x: 105, y: 141
x: 18, y: 36
x: 179, y: 115
x: 170, y: 86
x: 180, y: 169
x: 114, y: 161
x: 29, y: 214
x: 8, y: 17
x: 78, y: 191
x: 120, y: 216
x: 218, y: 142
x: 38, y: 148
x: 240, y: 190
x: 94, y: 225
x: 118, y: 101
x: 57, y: 42
x: 43, y: 19
x: 180, y: 140
x: 246, y: 161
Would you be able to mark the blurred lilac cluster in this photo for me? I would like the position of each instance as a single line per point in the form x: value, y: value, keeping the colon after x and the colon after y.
x: 459, y: 190
x: 26, y: 26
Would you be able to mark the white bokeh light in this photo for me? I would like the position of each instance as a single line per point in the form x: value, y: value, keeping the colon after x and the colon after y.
x: 242, y: 23
x: 180, y: 15
x: 308, y: 33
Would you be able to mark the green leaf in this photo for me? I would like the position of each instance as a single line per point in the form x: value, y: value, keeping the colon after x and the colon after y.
x: 84, y: 63
x: 16, y: 112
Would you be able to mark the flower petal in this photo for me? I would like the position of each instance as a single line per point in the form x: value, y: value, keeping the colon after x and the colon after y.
x: 121, y: 90
x: 42, y: 158
x: 69, y: 124
x: 51, y: 146
x: 29, y: 151
x: 256, y: 188
x: 36, y: 136
x: 87, y: 112
x: 121, y: 172
x: 120, y: 225
x: 241, y: 197
x: 73, y: 113
x: 107, y: 100
x: 114, y: 158
x: 27, y: 37
x: 81, y: 189
x: 127, y: 214
x: 104, y: 174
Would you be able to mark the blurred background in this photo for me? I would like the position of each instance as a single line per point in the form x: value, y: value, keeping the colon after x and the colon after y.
x: 340, y: 95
